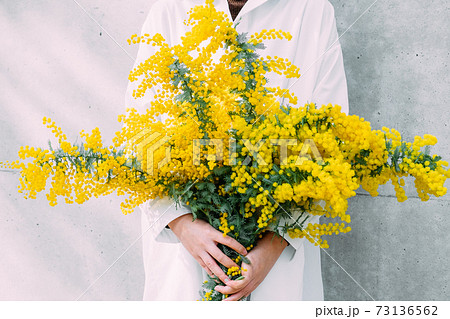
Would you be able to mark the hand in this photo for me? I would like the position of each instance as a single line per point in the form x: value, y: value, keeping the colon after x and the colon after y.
x: 201, y: 239
x: 262, y: 258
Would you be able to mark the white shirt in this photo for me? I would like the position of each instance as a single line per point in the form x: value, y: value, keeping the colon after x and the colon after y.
x: 171, y: 272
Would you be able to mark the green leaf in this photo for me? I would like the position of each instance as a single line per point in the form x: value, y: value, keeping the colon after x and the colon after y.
x: 211, y: 187
x: 242, y: 37
x: 278, y: 120
x: 245, y: 259
x: 222, y: 170
x: 260, y: 46
x: 286, y: 109
x: 397, y: 168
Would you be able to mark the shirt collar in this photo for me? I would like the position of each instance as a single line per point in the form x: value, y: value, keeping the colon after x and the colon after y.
x: 222, y: 5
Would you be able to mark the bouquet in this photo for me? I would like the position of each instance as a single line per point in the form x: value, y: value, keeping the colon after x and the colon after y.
x: 228, y: 148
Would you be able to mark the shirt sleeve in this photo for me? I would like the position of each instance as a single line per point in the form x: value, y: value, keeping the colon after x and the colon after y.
x: 330, y: 87
x: 160, y: 211
x: 331, y: 82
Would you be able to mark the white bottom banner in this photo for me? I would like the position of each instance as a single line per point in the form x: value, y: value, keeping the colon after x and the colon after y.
x: 213, y: 310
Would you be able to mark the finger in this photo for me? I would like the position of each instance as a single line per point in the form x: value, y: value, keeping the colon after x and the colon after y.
x: 216, y: 270
x: 232, y: 287
x: 237, y: 296
x: 203, y: 265
x: 225, y: 290
x: 232, y: 243
x: 221, y: 257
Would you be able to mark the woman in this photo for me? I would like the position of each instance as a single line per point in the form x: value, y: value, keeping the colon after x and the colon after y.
x: 178, y: 252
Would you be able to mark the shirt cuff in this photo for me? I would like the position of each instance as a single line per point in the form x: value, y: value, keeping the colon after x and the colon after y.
x: 160, y: 212
x: 296, y: 242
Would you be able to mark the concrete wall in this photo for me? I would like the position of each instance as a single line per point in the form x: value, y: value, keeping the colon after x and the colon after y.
x: 57, y: 61
x: 397, y: 62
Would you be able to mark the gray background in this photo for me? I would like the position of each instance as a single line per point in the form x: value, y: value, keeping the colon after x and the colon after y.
x: 56, y: 61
